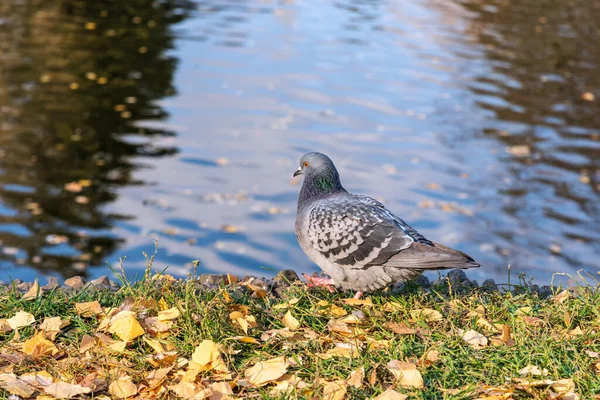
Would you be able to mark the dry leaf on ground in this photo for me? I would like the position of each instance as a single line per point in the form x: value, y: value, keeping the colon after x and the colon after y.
x: 39, y: 346
x: 356, y: 377
x: 126, y: 326
x: 34, y: 292
x: 358, y: 302
x: 64, y: 390
x: 475, y: 339
x: 334, y: 390
x: 264, y: 372
x: 13, y: 385
x: 290, y: 322
x: 20, y: 320
x: 406, y: 374
x: 88, y: 309
x: 391, y: 394
x: 123, y: 388
x: 533, y: 370
x: 208, y: 356
x: 428, y: 314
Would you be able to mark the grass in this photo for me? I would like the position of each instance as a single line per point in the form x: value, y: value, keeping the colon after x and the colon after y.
x: 560, y: 334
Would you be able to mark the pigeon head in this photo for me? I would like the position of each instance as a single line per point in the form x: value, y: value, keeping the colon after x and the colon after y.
x: 321, y: 179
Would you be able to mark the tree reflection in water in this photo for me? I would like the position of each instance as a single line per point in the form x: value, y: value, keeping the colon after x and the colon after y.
x: 75, y: 78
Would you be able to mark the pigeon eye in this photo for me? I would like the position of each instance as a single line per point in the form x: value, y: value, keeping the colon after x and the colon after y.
x: 305, y: 163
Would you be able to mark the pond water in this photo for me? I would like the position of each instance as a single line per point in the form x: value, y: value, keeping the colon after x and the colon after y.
x: 477, y: 121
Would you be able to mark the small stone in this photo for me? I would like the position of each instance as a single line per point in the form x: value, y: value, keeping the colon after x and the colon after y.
x: 422, y: 281
x: 101, y: 283
x: 286, y: 277
x: 25, y: 286
x: 489, y: 285
x: 211, y: 280
x: 75, y: 282
x: 51, y: 285
x: 545, y: 292
x: 457, y: 276
x: 17, y: 281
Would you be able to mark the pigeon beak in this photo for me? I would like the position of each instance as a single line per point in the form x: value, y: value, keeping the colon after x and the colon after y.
x: 298, y: 172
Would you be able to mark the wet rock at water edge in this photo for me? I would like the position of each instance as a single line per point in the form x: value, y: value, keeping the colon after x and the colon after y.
x: 51, y: 285
x: 75, y: 282
x: 286, y: 277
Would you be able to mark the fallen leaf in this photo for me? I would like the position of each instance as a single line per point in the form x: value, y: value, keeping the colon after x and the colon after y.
x: 431, y: 357
x: 190, y: 390
x: 14, y: 385
x: 169, y: 314
x: 334, y: 390
x: 323, y: 307
x: 220, y: 391
x: 358, y: 302
x: 125, y: 326
x: 20, y: 320
x: 63, y: 390
x: 406, y: 374
x: 339, y: 327
x: 474, y: 338
x: 37, y: 379
x: 563, y: 385
x: 533, y: 321
x: 523, y: 311
x: 356, y: 377
x: 267, y: 371
x: 562, y: 296
x: 246, y: 339
x: 52, y: 326
x: 208, y: 356
x: 533, y: 370
x: 392, y: 307
x: 34, y: 292
x: 39, y: 346
x: 427, y: 314
x: 88, y: 309
x: 242, y: 320
x: 391, y: 394
x: 290, y: 322
x: 588, y: 96
x: 123, y: 388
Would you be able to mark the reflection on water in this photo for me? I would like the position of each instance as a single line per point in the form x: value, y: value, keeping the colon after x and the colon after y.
x: 75, y: 77
x: 477, y: 121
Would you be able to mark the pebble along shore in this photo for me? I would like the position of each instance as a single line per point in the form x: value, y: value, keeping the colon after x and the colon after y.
x: 456, y: 281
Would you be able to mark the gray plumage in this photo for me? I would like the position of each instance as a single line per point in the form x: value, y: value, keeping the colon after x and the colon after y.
x: 355, y: 239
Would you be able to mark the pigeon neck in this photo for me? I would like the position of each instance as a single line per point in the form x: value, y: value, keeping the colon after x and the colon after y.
x: 318, y: 187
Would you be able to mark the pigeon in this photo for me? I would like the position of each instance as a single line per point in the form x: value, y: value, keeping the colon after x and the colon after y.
x: 355, y: 240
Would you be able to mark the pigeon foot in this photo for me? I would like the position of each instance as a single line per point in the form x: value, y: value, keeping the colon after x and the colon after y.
x: 358, y: 295
x: 313, y: 281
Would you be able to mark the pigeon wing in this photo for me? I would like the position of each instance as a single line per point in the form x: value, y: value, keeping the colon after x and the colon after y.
x: 356, y: 232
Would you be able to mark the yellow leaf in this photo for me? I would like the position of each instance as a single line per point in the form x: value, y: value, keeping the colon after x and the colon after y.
x: 189, y: 390
x: 562, y: 296
x: 563, y: 385
x: 391, y: 307
x: 169, y: 314
x: 64, y: 390
x: 523, y: 311
x: 267, y: 371
x: 52, y: 326
x: 345, y: 350
x: 427, y: 314
x: 356, y: 377
x: 34, y: 292
x: 290, y: 322
x: 155, y: 344
x: 123, y: 388
x: 533, y: 321
x: 208, y: 356
x: 334, y: 390
x: 162, y: 304
x: 323, y: 307
x: 391, y: 394
x: 14, y: 385
x: 431, y: 357
x: 533, y: 371
x: 222, y: 390
x: 475, y: 339
x: 87, y: 342
x: 88, y: 309
x: 38, y: 378
x: 117, y: 346
x: 39, y: 346
x: 339, y: 327
x: 358, y: 302
x: 246, y: 339
x: 20, y: 320
x: 406, y: 374
x: 126, y: 326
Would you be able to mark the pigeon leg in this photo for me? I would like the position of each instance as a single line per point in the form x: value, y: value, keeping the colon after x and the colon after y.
x: 358, y: 295
x: 313, y: 281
